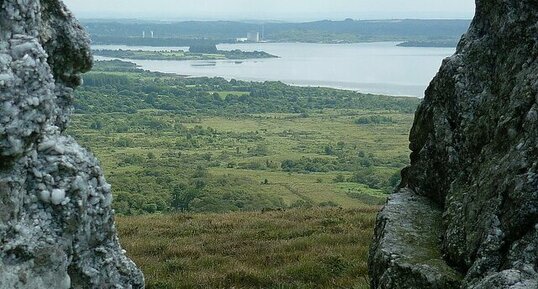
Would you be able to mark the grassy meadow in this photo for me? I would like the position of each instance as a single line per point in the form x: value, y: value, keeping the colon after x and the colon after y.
x: 295, y: 248
x: 235, y: 163
x: 231, y: 184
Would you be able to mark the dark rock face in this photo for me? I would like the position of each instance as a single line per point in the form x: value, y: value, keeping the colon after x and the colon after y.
x: 56, y: 221
x: 475, y: 155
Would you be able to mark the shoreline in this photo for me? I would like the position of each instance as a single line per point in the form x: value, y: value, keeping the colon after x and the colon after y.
x: 297, y: 83
x: 380, y: 68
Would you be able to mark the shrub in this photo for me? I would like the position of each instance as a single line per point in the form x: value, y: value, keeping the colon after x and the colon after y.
x: 374, y: 119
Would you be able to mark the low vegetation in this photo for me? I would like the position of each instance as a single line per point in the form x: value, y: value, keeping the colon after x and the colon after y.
x: 179, y: 55
x: 210, y: 145
x: 232, y: 184
x: 297, y: 248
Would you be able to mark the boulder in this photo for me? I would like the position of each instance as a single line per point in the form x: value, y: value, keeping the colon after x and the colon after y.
x: 474, y: 147
x: 56, y: 221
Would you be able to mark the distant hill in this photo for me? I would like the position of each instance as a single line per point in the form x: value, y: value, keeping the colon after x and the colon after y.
x: 347, y: 31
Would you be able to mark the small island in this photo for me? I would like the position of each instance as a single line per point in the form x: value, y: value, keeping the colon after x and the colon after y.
x: 194, y: 53
x: 448, y: 43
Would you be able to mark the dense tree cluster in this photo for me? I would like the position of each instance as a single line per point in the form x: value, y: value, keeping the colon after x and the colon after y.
x: 129, y: 92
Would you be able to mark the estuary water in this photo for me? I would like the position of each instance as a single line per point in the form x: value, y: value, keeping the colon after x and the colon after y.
x: 378, y: 68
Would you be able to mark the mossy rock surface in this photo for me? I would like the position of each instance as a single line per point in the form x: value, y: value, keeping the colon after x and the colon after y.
x: 407, y: 251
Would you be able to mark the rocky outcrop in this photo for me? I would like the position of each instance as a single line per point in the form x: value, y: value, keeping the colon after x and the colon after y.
x: 56, y: 221
x: 410, y: 226
x: 474, y: 156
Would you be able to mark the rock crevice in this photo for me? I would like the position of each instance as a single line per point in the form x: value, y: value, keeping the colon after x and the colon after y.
x: 474, y: 153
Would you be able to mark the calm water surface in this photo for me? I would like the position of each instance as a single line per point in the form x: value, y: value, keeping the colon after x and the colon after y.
x: 380, y: 68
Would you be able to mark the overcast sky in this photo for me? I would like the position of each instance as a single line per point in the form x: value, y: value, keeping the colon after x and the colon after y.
x: 298, y: 10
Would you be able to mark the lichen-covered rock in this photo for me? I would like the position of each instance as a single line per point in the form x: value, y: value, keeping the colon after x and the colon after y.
x: 475, y: 149
x: 406, y: 250
x: 56, y: 221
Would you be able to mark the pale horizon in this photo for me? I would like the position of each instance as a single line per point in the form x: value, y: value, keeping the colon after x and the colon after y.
x: 271, y: 10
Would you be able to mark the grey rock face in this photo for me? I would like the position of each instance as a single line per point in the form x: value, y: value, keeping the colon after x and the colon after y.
x: 406, y: 252
x: 475, y: 154
x: 56, y: 221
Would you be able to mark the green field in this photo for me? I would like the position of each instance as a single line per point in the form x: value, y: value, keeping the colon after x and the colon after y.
x: 238, y: 162
x: 222, y: 148
x: 231, y: 184
x: 298, y: 248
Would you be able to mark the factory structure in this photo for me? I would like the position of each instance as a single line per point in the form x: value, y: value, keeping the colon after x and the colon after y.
x: 251, y: 37
x: 255, y: 36
x: 144, y: 34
